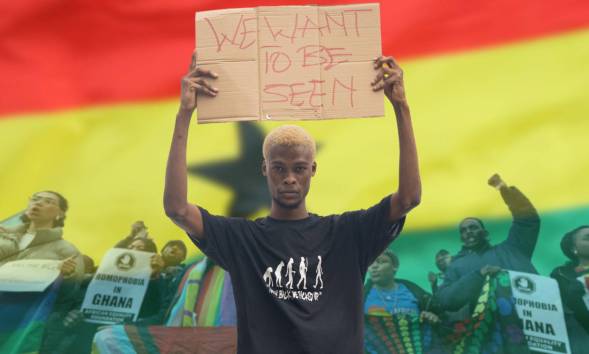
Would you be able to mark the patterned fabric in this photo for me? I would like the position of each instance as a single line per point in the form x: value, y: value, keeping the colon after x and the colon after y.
x: 494, y: 326
x: 196, y: 308
x: 401, y: 334
x: 22, y: 318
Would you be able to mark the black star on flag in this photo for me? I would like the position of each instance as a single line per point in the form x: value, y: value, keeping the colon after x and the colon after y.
x: 242, y: 174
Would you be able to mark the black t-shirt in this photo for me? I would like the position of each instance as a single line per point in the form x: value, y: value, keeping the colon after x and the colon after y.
x: 298, y: 284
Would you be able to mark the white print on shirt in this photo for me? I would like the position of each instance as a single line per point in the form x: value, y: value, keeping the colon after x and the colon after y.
x: 278, y: 274
x: 302, y: 274
x: 268, y: 277
x: 273, y: 278
x: 319, y: 273
x: 289, y: 273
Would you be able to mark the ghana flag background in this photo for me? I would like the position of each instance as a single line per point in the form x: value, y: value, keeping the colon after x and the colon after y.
x: 89, y: 94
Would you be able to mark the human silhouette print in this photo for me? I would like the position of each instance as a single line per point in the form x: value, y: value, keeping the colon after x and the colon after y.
x: 302, y: 274
x: 268, y: 277
x: 319, y: 274
x: 289, y: 273
x: 278, y: 274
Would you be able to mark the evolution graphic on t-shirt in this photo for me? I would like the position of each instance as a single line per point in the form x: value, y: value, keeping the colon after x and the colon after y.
x: 281, y: 282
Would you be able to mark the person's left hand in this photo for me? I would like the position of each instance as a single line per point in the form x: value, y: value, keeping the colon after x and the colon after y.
x: 431, y: 276
x: 390, y: 78
x: 68, y: 267
x: 429, y: 317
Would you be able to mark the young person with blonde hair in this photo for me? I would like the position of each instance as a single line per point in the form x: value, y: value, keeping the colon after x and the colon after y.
x: 301, y: 316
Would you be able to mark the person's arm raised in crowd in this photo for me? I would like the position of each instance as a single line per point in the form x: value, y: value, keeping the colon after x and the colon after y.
x: 525, y: 228
x: 408, y: 195
x: 187, y: 216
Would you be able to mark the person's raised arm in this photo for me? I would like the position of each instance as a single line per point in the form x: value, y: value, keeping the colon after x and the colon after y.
x: 186, y: 216
x: 525, y: 227
x: 408, y: 195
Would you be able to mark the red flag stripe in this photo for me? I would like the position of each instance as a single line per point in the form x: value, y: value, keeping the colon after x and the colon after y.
x: 58, y: 54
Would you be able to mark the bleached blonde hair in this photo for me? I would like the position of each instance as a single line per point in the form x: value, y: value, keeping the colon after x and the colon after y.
x: 288, y: 135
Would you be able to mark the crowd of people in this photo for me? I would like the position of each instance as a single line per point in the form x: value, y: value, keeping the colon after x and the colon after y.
x: 40, y: 236
x: 269, y: 259
x: 454, y: 289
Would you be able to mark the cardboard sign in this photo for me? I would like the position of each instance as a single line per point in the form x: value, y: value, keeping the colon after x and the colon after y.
x: 290, y: 62
x: 538, y: 304
x: 116, y: 292
x: 28, y: 275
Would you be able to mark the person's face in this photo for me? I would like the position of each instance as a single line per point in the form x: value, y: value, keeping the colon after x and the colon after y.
x: 173, y: 255
x: 288, y: 171
x: 582, y: 243
x: 44, y: 207
x: 472, y: 233
x: 442, y: 261
x: 382, y: 270
x: 137, y: 245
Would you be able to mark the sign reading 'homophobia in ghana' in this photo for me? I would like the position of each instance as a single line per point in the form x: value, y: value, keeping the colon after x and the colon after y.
x: 116, y: 292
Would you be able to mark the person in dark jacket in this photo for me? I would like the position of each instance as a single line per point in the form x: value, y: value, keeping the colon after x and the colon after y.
x: 575, y: 245
x: 477, y: 258
x: 443, y: 259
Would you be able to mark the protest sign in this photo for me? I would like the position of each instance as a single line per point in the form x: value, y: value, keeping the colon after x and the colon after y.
x: 28, y: 275
x: 538, y: 304
x: 290, y: 62
x: 116, y: 292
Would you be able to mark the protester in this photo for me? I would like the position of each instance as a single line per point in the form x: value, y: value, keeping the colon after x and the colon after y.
x: 465, y: 275
x: 174, y: 253
x: 384, y: 292
x: 71, y: 334
x: 269, y: 259
x: 443, y: 259
x: 575, y: 245
x: 41, y: 235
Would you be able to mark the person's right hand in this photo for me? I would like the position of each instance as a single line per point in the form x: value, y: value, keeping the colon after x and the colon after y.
x: 495, y: 181
x: 194, y: 83
x: 68, y: 266
x: 431, y: 276
x: 490, y: 270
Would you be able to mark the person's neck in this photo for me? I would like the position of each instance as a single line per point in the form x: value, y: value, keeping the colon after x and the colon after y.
x: 280, y: 213
x: 39, y: 225
x: 389, y: 285
x: 484, y: 244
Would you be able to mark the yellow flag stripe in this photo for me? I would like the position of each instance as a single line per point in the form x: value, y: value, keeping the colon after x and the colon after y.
x: 520, y: 110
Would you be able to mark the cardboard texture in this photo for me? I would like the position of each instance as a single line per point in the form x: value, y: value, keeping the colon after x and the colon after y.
x: 290, y: 62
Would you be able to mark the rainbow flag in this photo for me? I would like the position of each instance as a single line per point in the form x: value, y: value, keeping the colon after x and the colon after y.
x: 90, y: 91
x: 24, y: 317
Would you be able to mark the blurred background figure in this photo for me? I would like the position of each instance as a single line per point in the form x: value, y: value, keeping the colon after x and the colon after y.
x: 443, y: 259
x: 466, y: 273
x: 384, y: 294
x: 571, y: 275
x: 40, y: 236
x: 173, y: 254
x: 69, y: 333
